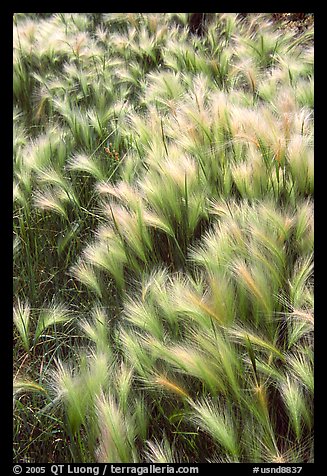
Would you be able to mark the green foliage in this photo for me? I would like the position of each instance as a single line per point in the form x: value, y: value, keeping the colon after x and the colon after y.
x: 163, y: 239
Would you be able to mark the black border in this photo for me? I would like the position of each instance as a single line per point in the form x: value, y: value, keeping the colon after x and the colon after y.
x: 6, y: 229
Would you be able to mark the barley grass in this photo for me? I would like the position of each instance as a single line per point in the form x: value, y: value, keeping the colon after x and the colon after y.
x: 163, y: 241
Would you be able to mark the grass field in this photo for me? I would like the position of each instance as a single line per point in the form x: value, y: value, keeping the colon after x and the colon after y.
x: 163, y: 239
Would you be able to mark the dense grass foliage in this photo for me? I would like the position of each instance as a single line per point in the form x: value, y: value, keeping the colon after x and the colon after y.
x: 163, y: 239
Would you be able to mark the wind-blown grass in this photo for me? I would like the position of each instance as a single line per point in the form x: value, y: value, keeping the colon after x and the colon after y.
x: 163, y: 239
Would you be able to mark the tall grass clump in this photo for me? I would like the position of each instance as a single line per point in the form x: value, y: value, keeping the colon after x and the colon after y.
x: 163, y: 242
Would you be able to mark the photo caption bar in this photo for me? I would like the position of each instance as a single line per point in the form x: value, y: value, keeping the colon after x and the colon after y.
x: 103, y: 469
